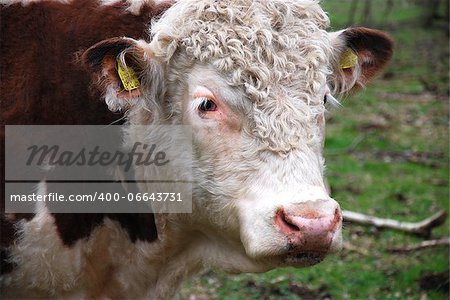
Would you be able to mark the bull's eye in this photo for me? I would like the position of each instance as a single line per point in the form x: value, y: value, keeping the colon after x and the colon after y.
x: 207, y: 105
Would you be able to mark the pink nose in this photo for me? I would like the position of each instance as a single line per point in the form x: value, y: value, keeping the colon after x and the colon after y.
x: 310, y: 226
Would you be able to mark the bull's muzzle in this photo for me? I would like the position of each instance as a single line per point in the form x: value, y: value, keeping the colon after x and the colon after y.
x: 310, y: 227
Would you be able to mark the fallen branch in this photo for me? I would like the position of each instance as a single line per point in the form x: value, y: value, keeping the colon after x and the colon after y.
x: 420, y: 246
x: 422, y: 228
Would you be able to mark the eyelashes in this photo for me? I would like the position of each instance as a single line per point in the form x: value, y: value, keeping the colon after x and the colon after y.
x: 207, y: 105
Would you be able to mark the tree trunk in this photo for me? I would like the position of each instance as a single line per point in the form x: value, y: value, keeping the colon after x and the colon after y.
x: 352, y: 13
x: 388, y: 8
x: 367, y: 13
x: 431, y: 8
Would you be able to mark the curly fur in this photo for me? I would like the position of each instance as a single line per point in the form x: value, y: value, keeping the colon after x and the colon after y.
x: 277, y: 52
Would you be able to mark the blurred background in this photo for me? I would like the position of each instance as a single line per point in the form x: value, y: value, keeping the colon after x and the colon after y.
x: 387, y: 153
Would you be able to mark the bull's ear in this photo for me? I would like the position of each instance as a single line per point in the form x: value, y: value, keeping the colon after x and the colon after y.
x: 118, y: 67
x: 360, y: 54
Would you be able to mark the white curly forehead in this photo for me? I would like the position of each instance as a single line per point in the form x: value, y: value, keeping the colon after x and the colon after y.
x: 262, y: 45
x: 276, y: 51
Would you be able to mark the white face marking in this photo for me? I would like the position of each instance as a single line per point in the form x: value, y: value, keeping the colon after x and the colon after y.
x: 240, y: 180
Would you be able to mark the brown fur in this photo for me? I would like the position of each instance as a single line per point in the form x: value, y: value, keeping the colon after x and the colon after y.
x: 42, y: 83
x: 99, y: 269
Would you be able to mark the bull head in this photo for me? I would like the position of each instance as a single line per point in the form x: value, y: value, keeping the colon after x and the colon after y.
x: 252, y: 79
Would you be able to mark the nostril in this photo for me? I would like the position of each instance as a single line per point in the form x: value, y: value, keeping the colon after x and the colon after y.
x: 284, y: 224
x: 336, y: 220
x: 309, y: 226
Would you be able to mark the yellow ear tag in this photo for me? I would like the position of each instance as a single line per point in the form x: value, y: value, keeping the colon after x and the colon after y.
x: 128, y: 77
x: 349, y: 59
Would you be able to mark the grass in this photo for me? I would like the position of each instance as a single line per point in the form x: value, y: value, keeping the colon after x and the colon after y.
x: 387, y: 154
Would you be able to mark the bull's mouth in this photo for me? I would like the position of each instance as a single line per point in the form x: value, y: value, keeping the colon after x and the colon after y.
x: 304, y: 259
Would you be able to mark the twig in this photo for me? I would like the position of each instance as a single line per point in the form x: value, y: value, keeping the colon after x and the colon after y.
x: 422, y: 245
x: 422, y: 228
